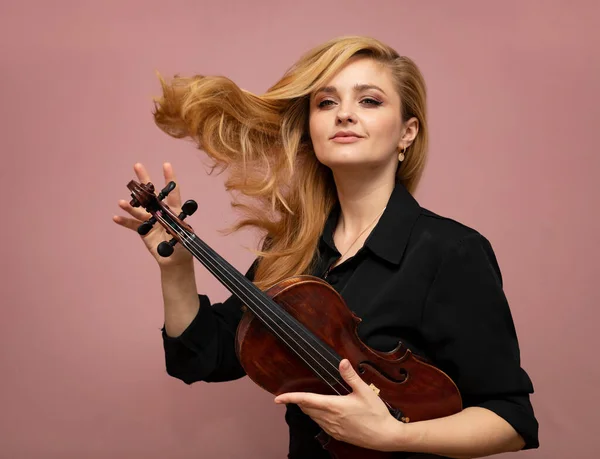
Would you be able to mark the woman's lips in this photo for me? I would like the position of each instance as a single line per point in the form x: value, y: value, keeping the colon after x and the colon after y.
x: 346, y: 139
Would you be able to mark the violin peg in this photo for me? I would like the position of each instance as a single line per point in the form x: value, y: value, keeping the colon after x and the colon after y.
x: 165, y: 249
x: 166, y: 190
x: 145, y: 227
x: 189, y: 207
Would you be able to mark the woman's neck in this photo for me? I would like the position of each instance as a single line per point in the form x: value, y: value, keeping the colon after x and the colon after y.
x: 361, y: 201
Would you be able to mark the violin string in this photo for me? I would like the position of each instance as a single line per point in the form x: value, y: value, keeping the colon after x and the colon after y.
x: 214, y: 266
x: 271, y: 326
x: 250, y: 294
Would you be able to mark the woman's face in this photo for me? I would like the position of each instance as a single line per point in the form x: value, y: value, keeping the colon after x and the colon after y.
x: 355, y: 120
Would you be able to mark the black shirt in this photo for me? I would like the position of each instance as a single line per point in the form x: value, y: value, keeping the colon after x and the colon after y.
x: 420, y: 278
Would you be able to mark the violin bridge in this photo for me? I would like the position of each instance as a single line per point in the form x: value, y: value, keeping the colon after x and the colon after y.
x: 374, y: 389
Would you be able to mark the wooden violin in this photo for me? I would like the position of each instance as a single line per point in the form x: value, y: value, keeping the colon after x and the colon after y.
x: 293, y: 336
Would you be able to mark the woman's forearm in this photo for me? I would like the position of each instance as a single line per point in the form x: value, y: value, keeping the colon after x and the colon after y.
x: 474, y: 432
x: 180, y: 297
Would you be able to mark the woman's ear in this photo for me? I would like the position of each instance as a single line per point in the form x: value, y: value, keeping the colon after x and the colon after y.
x: 411, y: 129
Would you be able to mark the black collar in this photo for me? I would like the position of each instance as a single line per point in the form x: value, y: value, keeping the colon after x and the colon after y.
x: 390, y: 235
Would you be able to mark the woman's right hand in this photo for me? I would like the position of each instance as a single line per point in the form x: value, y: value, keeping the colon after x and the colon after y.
x: 180, y: 256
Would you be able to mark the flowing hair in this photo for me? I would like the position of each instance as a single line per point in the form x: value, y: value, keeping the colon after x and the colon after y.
x: 264, y: 144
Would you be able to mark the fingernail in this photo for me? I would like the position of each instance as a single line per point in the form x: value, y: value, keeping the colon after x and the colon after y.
x: 345, y: 365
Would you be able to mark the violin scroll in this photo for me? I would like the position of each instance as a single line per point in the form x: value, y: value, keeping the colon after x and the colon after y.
x: 143, y: 193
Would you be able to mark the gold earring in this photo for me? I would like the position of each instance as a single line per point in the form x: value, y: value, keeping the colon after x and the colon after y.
x: 401, y: 155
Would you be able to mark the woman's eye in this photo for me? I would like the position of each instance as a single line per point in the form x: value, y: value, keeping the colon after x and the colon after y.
x: 366, y: 101
x: 371, y: 101
x: 324, y: 103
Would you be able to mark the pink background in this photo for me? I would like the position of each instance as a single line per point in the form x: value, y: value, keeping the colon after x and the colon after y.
x: 514, y: 107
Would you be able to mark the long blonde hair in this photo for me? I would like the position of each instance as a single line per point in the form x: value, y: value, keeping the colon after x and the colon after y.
x: 264, y: 144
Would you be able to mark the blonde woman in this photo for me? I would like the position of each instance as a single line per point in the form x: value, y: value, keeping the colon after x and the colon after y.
x: 328, y: 160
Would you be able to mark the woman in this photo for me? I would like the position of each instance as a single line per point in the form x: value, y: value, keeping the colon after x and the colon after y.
x: 330, y: 156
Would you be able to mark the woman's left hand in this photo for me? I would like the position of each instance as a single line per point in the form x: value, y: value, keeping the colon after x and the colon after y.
x: 360, y: 418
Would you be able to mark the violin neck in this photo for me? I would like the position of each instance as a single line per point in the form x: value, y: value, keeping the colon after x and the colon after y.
x: 290, y: 331
x: 239, y: 285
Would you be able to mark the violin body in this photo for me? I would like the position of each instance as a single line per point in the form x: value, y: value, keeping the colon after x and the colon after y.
x: 293, y: 336
x: 405, y: 381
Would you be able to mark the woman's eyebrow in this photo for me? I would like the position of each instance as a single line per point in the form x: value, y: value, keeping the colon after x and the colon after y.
x: 357, y: 88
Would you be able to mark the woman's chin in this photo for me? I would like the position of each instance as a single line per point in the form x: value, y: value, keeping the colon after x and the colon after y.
x: 343, y: 162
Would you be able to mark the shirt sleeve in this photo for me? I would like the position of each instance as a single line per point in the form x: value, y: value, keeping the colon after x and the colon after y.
x: 205, y: 351
x: 469, y: 326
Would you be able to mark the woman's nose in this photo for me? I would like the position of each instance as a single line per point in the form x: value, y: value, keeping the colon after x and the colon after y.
x: 345, y: 115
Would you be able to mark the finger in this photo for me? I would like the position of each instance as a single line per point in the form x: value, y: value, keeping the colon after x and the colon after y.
x: 141, y: 172
x: 351, y: 377
x: 305, y: 399
x: 136, y: 212
x: 174, y: 198
x: 131, y: 223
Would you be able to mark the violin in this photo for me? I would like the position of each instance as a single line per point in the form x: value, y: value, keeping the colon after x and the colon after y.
x: 293, y: 336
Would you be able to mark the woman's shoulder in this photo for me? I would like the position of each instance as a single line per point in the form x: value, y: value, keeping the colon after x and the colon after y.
x: 441, y: 240
x: 445, y: 225
x: 446, y: 233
